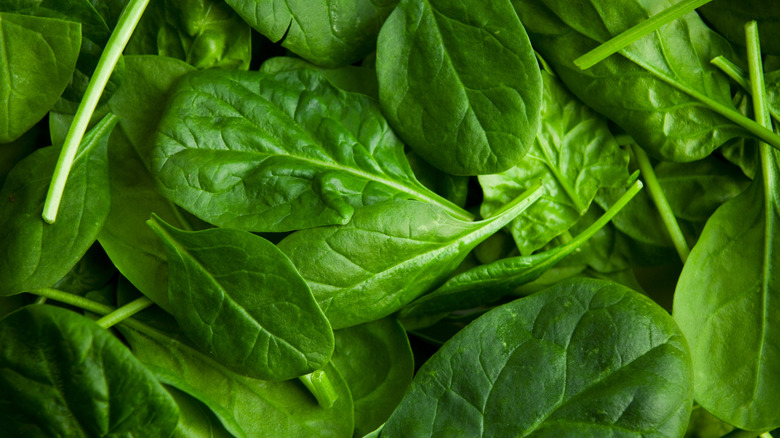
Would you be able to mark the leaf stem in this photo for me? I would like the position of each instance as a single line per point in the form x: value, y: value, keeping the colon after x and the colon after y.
x: 620, y: 41
x: 124, y: 312
x: 105, y: 66
x: 73, y: 300
x: 661, y: 203
x: 321, y: 387
x: 733, y: 71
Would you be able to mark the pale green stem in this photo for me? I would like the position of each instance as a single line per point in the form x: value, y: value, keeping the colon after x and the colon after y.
x: 733, y: 71
x: 73, y: 300
x: 124, y: 312
x: 321, y: 387
x: 105, y: 66
x: 661, y: 203
x: 40, y: 300
x: 620, y: 41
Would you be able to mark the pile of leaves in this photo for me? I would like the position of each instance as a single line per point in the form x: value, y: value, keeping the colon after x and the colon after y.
x: 389, y: 218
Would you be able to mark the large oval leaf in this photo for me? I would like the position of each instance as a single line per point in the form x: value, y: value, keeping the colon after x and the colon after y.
x: 646, y: 87
x: 36, y: 254
x: 278, y: 152
x: 460, y: 83
x: 235, y: 295
x: 63, y: 375
x: 38, y: 57
x: 583, y: 358
x: 388, y: 255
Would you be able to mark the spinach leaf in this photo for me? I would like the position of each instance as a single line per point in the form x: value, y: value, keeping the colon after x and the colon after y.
x: 646, y: 87
x: 328, y: 33
x: 278, y: 152
x: 63, y: 375
x: 39, y: 56
x: 376, y: 361
x: 203, y: 33
x: 387, y: 255
x: 132, y: 246
x: 92, y: 272
x: 235, y: 293
x: 13, y: 152
x: 574, y: 155
x: 195, y: 418
x: 452, y: 187
x: 726, y: 304
x: 348, y: 78
x: 584, y: 358
x: 246, y: 407
x: 729, y: 18
x: 460, y: 83
x: 36, y: 254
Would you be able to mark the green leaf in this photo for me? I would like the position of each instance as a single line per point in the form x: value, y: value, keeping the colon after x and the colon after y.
x: 460, y: 83
x: 203, y: 33
x: 92, y: 272
x: 348, y: 78
x: 278, y: 152
x: 586, y: 358
x: 235, y: 294
x: 63, y: 375
x: 645, y: 88
x: 729, y: 18
x: 327, y: 33
x: 246, y: 407
x: 195, y: 418
x: 726, y: 303
x: 132, y: 246
x: 386, y: 256
x: 574, y: 155
x: 376, y: 361
x: 38, y: 57
x: 36, y: 254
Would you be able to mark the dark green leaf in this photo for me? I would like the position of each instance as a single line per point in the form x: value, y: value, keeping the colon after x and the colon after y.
x: 574, y: 155
x: 195, y: 419
x: 36, y: 254
x: 348, y: 78
x: 388, y: 255
x: 729, y: 18
x: 328, y: 33
x: 235, y: 295
x: 65, y: 376
x: 586, y: 358
x: 645, y: 87
x: 376, y: 361
x: 278, y: 152
x: 38, y: 56
x: 460, y: 83
x: 92, y: 272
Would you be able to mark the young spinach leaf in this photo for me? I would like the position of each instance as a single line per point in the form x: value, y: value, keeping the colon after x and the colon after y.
x: 327, y: 33
x: 376, y: 361
x: 729, y: 19
x: 36, y: 254
x: 63, y: 375
x: 387, y: 255
x: 39, y: 56
x: 349, y: 78
x: 574, y: 155
x: 278, y: 152
x: 460, y: 83
x: 195, y: 419
x: 584, y: 358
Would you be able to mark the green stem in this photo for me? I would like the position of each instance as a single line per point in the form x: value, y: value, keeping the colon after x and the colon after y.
x: 124, y: 312
x: 522, y: 202
x: 73, y: 300
x: 130, y: 17
x: 739, y: 433
x: 733, y: 71
x: 659, y: 199
x: 40, y: 300
x: 321, y: 387
x: 620, y: 41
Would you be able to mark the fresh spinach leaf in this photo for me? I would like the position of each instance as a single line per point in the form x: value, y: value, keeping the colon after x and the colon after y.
x: 386, y: 256
x: 235, y: 293
x: 729, y: 18
x: 646, y: 87
x: 36, y: 254
x: 460, y: 83
x: 452, y: 187
x: 278, y: 152
x: 574, y: 155
x: 92, y: 272
x: 246, y: 407
x: 195, y: 418
x: 39, y: 57
x: 376, y: 361
x: 328, y: 33
x: 584, y: 358
x: 63, y: 375
x: 348, y: 78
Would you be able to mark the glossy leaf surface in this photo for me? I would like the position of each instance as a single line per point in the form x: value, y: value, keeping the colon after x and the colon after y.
x: 574, y: 155
x: 584, y: 358
x: 729, y: 18
x: 278, y: 152
x: 63, y: 375
x: 460, y: 83
x: 386, y: 256
x: 36, y: 254
x: 235, y: 294
x: 644, y: 87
